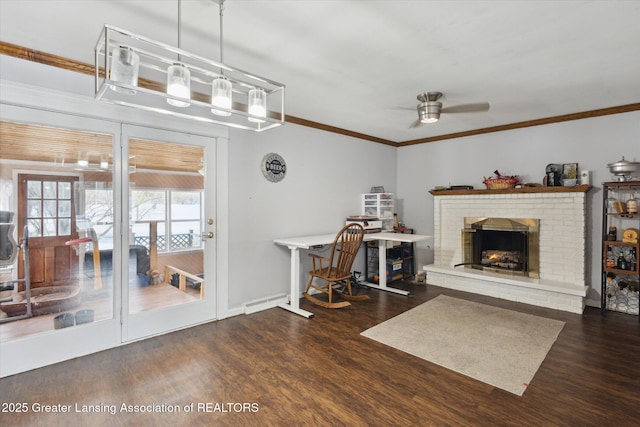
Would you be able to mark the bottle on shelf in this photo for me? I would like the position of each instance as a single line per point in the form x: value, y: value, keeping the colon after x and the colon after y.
x: 611, y: 202
x: 632, y: 205
x: 611, y: 260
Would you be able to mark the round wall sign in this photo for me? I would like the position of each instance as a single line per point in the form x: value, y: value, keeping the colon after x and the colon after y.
x: 273, y: 167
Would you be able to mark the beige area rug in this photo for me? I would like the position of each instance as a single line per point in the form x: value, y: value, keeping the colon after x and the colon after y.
x: 500, y: 347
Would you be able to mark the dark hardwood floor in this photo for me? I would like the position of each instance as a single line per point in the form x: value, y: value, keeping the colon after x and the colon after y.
x: 274, y: 368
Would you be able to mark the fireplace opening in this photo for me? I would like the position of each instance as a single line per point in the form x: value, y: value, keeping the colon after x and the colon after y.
x: 506, y: 245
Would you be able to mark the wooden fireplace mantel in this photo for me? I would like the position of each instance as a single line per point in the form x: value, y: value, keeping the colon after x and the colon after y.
x: 524, y: 190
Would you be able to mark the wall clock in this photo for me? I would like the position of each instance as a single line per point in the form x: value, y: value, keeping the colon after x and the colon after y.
x: 273, y: 166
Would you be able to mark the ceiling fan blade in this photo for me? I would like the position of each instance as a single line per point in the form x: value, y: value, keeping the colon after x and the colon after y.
x: 404, y: 108
x: 467, y: 108
x: 415, y: 124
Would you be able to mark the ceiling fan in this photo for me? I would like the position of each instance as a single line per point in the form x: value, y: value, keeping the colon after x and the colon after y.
x: 430, y: 108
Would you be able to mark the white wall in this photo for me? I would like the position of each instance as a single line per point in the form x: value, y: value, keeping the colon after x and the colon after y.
x: 326, y: 174
x: 593, y: 143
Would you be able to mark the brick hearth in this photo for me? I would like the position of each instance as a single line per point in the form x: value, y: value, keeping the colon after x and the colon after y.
x: 562, y: 215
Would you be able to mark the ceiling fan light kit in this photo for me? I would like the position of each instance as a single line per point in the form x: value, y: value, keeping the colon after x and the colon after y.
x: 135, y: 68
x: 429, y: 112
x: 429, y: 107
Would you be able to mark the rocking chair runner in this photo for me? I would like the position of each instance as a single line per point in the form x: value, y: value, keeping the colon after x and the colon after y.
x: 343, y: 251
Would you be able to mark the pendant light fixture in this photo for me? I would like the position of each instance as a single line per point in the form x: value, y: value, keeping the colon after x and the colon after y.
x: 135, y: 71
x: 179, y: 76
x: 221, y: 88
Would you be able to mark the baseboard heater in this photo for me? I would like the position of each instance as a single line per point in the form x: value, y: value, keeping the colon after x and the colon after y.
x: 264, y: 303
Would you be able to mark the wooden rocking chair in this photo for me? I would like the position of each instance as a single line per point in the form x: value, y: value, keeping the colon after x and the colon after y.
x: 343, y: 251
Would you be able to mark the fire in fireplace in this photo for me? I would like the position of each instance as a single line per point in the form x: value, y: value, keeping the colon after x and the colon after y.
x: 506, y: 245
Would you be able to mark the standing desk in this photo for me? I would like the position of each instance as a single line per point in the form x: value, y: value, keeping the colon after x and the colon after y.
x: 306, y: 242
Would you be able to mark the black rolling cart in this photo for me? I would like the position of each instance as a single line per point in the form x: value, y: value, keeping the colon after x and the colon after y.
x: 400, y: 259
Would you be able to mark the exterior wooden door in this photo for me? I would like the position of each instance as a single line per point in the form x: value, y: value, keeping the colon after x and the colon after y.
x: 47, y: 207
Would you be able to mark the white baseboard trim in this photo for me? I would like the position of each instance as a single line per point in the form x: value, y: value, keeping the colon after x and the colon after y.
x: 265, y: 303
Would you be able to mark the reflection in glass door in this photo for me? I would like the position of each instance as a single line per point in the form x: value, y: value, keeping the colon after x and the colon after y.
x: 56, y: 181
x: 54, y: 177
x: 171, y: 267
x: 45, y: 207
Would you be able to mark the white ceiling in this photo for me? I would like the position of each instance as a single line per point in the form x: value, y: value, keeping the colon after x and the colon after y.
x: 354, y: 64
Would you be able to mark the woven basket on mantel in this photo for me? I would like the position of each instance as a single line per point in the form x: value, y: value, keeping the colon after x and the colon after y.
x: 499, y: 185
x: 501, y: 182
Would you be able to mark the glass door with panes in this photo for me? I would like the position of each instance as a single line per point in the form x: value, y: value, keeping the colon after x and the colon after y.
x: 56, y: 182
x: 170, y: 232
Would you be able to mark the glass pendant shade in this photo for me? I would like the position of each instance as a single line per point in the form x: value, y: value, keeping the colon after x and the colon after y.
x: 257, y: 105
x: 221, y: 96
x: 179, y: 84
x: 125, y: 66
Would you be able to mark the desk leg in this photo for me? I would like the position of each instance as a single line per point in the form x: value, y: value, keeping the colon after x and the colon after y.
x: 294, y: 302
x: 382, y: 271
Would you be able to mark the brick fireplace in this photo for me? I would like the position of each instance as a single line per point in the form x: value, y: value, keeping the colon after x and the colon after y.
x: 561, y: 216
x: 506, y: 245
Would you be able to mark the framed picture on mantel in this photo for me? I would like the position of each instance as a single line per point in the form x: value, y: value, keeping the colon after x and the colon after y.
x: 569, y: 174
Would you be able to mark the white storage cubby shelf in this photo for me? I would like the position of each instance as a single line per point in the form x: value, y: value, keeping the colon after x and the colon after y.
x: 381, y: 205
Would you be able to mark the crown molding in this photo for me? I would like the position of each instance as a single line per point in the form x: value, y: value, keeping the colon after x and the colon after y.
x: 529, y: 123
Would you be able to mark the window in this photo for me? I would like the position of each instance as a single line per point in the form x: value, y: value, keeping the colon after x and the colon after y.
x: 98, y: 212
x: 147, y: 206
x: 185, y: 219
x: 178, y: 214
x: 48, y: 210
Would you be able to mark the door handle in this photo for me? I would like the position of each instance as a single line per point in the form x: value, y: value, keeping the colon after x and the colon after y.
x: 208, y: 235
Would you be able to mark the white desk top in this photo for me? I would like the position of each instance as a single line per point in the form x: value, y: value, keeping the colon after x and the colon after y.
x: 305, y: 242
x: 396, y: 237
